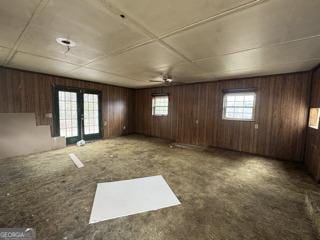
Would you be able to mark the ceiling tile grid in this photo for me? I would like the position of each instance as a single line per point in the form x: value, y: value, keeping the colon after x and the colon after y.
x: 163, y: 17
x: 191, y: 40
x: 95, y: 32
x: 295, y: 51
x: 144, y: 59
x: 254, y: 27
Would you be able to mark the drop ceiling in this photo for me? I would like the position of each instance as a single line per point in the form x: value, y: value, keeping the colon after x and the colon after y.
x: 192, y: 40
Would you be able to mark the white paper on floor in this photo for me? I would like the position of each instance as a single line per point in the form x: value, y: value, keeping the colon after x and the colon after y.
x: 128, y: 197
x: 76, y: 160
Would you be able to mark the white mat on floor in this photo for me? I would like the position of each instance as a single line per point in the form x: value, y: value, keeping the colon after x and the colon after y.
x: 123, y: 198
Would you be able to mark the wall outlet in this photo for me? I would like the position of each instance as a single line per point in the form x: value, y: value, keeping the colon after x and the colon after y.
x: 48, y: 115
x: 104, y: 123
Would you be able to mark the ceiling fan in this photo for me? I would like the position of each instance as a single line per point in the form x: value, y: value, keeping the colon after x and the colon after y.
x: 166, y: 79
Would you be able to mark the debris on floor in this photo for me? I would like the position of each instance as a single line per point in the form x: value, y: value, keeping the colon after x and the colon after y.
x: 76, y: 160
x: 313, y: 208
x: 81, y: 143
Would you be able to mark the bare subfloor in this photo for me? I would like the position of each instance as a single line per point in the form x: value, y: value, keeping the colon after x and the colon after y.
x: 225, y: 195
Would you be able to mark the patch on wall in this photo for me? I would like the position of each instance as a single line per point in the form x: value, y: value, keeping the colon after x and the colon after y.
x: 20, y: 135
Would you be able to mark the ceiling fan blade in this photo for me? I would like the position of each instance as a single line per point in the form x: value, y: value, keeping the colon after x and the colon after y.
x: 159, y: 81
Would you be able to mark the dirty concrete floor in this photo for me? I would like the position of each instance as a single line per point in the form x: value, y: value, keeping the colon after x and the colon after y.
x: 225, y: 195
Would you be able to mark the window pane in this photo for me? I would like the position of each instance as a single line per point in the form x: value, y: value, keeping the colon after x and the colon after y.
x: 239, y: 98
x: 238, y: 106
x: 62, y: 132
x: 229, y: 115
x: 248, y: 110
x: 231, y: 98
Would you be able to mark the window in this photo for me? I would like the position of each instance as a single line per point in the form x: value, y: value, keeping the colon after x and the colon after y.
x: 239, y: 106
x: 160, y: 105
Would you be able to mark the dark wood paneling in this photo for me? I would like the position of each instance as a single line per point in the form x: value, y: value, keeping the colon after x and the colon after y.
x: 282, y: 105
x: 312, y: 157
x: 195, y: 116
x: 22, y: 91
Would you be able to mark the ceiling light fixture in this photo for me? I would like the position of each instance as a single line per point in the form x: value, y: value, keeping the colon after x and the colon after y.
x: 67, y: 43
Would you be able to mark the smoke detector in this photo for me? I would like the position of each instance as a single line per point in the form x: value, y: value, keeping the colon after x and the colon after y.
x: 66, y: 42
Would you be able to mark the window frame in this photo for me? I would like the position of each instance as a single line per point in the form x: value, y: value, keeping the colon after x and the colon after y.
x: 235, y: 93
x: 153, y: 96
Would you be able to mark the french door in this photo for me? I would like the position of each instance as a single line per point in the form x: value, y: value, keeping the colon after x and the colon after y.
x: 77, y: 114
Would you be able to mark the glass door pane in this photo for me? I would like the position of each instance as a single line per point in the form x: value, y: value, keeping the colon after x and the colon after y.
x: 91, y: 114
x: 68, y: 114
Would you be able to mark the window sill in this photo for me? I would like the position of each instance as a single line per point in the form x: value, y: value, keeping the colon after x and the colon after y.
x: 238, y: 120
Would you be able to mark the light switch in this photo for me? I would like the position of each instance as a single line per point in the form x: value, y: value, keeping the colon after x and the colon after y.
x: 105, y: 123
x: 256, y: 126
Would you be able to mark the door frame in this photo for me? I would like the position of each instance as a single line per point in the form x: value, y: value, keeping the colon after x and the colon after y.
x: 56, y: 117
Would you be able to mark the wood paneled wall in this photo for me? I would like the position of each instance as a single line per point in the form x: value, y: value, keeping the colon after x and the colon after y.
x: 282, y: 108
x: 281, y: 112
x: 312, y: 157
x: 27, y: 92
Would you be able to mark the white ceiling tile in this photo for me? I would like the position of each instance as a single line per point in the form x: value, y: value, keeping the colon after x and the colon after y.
x: 143, y: 62
x: 184, y: 71
x: 14, y: 15
x: 269, y: 70
x: 3, y: 54
x: 290, y: 67
x: 102, y: 77
x: 253, y: 27
x: 296, y: 51
x: 305, y: 20
x: 39, y: 64
x: 165, y: 16
x: 203, y: 77
x: 95, y: 31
